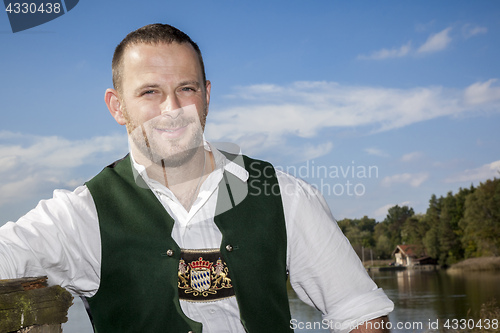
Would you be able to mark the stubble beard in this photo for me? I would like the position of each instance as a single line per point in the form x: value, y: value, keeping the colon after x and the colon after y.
x: 171, y: 153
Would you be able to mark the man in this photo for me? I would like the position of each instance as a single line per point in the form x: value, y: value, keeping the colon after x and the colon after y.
x: 181, y: 237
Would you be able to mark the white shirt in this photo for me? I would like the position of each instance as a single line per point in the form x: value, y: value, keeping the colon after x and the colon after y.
x: 60, y: 238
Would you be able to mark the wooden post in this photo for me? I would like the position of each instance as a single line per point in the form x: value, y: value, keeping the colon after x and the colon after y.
x: 27, y: 305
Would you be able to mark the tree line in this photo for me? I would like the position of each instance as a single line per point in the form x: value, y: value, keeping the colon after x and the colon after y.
x: 455, y: 227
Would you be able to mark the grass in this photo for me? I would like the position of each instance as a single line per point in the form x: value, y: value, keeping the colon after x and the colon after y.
x: 377, y: 263
x: 477, y: 264
x: 489, y: 312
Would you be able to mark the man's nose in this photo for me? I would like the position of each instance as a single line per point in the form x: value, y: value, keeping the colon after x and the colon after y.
x: 171, y: 107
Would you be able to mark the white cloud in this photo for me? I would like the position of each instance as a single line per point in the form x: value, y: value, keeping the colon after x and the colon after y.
x: 53, y: 151
x: 381, y: 213
x: 410, y: 157
x: 436, y: 42
x: 482, y: 92
x: 267, y: 116
x: 389, y: 53
x: 423, y: 27
x: 314, y: 151
x: 414, y: 180
x: 376, y: 152
x: 31, y: 166
x: 484, y: 172
x: 469, y: 30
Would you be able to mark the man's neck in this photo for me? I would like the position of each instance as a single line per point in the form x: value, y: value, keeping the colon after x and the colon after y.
x: 183, y: 181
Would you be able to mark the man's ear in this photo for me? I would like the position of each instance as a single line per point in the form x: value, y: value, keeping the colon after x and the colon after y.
x: 114, y: 105
x: 208, y: 87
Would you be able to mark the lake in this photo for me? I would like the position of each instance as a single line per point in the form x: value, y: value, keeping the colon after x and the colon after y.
x: 420, y: 298
x: 425, y: 297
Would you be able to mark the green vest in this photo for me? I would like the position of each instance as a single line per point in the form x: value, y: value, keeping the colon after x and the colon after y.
x: 138, y: 288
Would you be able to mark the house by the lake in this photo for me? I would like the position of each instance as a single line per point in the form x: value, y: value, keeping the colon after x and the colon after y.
x: 410, y: 255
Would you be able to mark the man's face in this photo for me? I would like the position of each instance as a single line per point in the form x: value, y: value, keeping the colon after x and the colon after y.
x: 165, y: 101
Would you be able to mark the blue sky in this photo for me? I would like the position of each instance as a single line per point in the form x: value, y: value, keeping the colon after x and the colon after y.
x: 406, y: 94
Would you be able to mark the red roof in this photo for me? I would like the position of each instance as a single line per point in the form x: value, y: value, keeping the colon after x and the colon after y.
x: 411, y: 250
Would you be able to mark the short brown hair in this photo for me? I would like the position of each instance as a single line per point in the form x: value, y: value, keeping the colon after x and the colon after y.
x: 150, y: 34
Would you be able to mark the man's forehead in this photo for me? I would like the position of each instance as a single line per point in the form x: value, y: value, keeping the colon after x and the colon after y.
x: 136, y: 50
x: 151, y: 63
x: 173, y: 56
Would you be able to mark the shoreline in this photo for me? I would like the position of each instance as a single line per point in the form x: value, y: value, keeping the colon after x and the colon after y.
x: 467, y: 265
x: 477, y: 264
x: 403, y: 268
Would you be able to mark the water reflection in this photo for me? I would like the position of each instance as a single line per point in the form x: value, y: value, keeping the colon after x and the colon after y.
x: 422, y: 297
x: 425, y: 296
x: 303, y: 313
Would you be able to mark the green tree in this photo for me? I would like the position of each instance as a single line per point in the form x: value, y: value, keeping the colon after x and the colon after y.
x: 383, y: 246
x: 367, y: 227
x: 450, y: 250
x: 481, y: 221
x: 344, y: 224
x: 396, y: 217
x: 359, y: 231
x: 431, y: 239
x: 413, y: 230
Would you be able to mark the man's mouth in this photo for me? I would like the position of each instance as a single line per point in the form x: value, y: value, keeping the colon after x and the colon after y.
x: 172, y: 133
x: 169, y: 130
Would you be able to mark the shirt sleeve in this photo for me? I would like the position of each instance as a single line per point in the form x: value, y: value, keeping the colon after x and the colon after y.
x: 59, y: 238
x: 325, y: 272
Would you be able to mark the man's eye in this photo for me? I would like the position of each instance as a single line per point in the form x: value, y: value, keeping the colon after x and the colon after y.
x: 188, y: 89
x: 147, y: 92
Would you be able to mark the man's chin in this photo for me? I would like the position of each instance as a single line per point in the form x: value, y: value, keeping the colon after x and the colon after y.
x: 173, y: 159
x: 167, y: 153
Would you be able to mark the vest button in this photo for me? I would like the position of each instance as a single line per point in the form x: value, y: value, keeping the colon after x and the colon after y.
x: 170, y: 252
x: 229, y: 247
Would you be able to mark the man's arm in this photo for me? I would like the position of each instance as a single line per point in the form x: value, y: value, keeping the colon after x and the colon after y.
x: 325, y: 272
x: 59, y: 238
